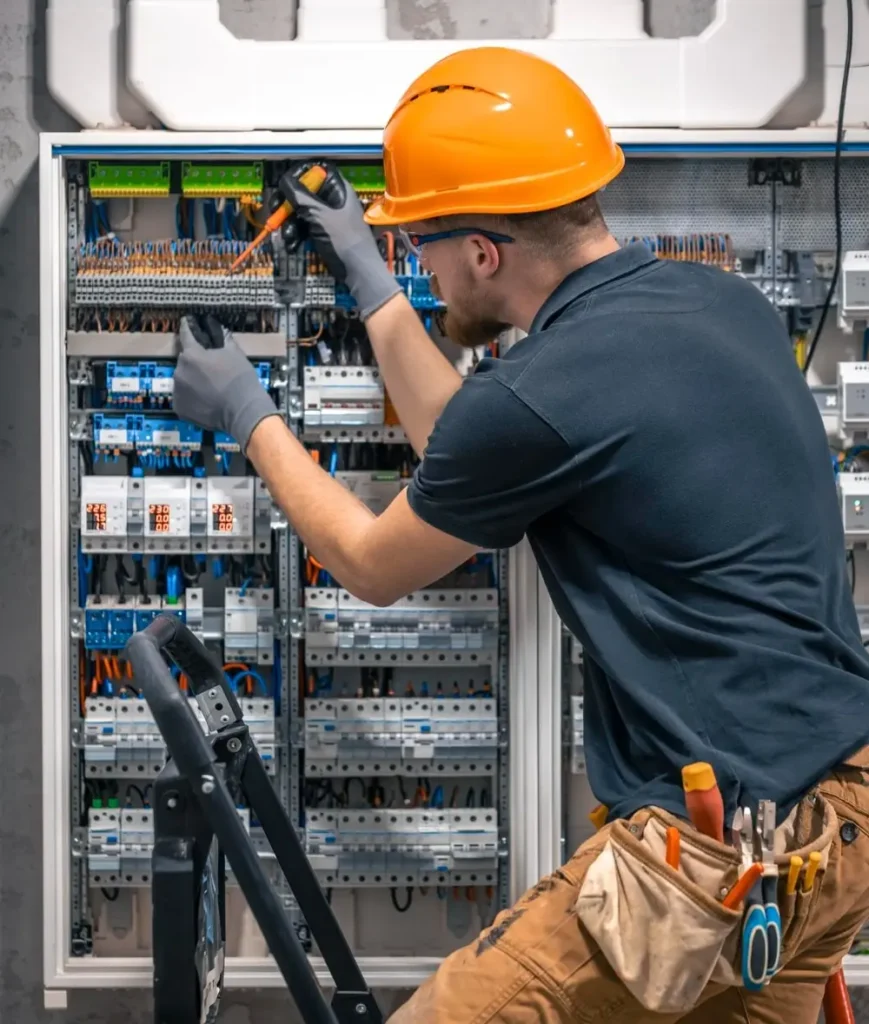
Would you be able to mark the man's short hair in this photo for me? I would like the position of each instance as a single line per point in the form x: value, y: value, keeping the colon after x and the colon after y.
x: 548, y: 233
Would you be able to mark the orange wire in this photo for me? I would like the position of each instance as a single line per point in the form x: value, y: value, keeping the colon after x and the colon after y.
x: 236, y: 664
x: 311, y: 337
x: 390, y: 251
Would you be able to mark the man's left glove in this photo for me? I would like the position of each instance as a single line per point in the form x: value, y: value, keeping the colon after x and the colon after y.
x: 215, y: 384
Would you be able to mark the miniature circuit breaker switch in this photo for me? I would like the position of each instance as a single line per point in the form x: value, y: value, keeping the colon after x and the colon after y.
x: 853, y: 385
x: 854, y: 304
x: 854, y: 499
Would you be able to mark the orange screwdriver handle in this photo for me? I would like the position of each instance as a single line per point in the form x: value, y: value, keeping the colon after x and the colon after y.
x: 313, y: 180
x: 703, y: 799
x: 742, y: 886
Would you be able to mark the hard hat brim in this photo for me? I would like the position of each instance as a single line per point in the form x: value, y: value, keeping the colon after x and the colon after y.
x: 389, y: 212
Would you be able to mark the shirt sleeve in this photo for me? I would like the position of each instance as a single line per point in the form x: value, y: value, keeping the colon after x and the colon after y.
x: 492, y: 467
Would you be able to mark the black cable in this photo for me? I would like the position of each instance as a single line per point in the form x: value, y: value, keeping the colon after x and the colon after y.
x: 347, y: 791
x: 133, y: 786
x: 837, y: 190
x: 852, y: 569
x: 393, y: 895
x: 107, y: 893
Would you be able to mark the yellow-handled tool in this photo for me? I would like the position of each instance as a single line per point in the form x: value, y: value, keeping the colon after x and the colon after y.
x: 313, y: 180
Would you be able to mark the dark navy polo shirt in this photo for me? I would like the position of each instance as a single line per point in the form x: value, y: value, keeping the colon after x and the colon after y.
x: 655, y: 440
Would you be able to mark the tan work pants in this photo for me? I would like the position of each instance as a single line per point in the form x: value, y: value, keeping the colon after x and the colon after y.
x: 539, y: 963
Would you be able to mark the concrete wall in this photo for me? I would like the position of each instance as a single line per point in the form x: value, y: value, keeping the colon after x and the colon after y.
x: 25, y: 110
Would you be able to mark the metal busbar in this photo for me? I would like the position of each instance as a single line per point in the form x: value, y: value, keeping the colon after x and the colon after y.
x: 197, y: 826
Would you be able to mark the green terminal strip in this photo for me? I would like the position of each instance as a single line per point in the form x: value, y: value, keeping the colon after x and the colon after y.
x: 364, y: 177
x: 221, y: 180
x: 118, y: 181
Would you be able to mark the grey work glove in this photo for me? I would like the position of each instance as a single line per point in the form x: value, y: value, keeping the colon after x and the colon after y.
x: 215, y: 385
x: 346, y: 244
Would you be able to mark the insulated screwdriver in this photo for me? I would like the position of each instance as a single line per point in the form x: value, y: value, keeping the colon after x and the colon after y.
x: 313, y: 180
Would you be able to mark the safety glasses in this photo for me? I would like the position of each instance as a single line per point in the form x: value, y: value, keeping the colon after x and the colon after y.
x: 415, y: 242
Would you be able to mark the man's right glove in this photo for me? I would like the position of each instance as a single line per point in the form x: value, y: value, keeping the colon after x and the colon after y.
x: 333, y: 217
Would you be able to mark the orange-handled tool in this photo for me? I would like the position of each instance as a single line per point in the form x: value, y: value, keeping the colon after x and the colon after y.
x: 743, y: 886
x: 598, y: 817
x: 674, y: 847
x: 313, y: 180
x: 703, y: 799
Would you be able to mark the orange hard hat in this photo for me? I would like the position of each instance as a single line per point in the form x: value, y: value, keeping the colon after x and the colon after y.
x: 492, y: 130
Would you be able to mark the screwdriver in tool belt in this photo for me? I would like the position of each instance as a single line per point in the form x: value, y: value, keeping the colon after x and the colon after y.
x: 313, y: 180
x: 703, y: 799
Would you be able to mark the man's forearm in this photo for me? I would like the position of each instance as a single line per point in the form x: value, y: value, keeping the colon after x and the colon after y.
x: 329, y: 519
x: 418, y: 376
x: 376, y: 558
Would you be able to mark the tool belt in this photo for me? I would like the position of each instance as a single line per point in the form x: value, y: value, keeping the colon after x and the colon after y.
x: 664, y: 931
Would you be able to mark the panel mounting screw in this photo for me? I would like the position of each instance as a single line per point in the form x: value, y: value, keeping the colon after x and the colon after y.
x: 233, y: 745
x: 172, y: 802
x: 207, y: 784
x: 361, y: 1008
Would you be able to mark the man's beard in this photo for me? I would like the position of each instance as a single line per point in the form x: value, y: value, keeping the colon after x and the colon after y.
x: 465, y: 328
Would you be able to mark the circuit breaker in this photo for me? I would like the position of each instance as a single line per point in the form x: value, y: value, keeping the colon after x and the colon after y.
x: 853, y: 386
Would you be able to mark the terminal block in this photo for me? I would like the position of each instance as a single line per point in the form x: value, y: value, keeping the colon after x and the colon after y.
x: 577, y: 736
x: 221, y: 180
x: 390, y: 736
x: 110, y: 620
x: 342, y: 396
x: 175, y: 274
x: 123, y: 181
x: 437, y: 620
x: 249, y: 625
x: 403, y: 847
x: 854, y: 502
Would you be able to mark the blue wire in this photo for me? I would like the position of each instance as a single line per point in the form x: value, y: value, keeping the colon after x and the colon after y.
x: 333, y: 460
x: 83, y: 571
x: 242, y: 590
x: 866, y: 344
x: 276, y: 676
x: 255, y: 676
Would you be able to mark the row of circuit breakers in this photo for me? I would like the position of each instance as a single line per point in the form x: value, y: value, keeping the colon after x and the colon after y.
x: 333, y: 396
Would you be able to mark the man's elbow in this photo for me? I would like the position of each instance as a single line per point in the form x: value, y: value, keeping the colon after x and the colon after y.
x: 381, y: 595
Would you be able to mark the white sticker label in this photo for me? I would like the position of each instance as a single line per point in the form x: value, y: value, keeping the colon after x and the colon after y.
x: 166, y: 437
x: 113, y: 436
x: 124, y: 385
x: 162, y: 385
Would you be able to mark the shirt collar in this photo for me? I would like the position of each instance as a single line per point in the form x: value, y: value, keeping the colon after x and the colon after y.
x: 620, y: 263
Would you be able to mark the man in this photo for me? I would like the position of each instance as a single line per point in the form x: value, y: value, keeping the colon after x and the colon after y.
x: 653, y: 438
